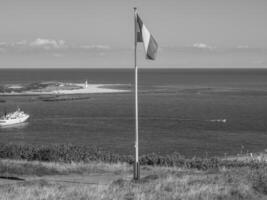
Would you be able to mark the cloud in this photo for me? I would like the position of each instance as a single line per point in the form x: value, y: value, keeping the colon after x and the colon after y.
x: 95, y: 46
x: 58, y: 55
x: 22, y: 42
x: 3, y: 47
x: 242, y: 46
x: 48, y: 43
x: 259, y: 62
x: 39, y: 43
x: 56, y: 48
x: 3, y: 43
x: 202, y: 46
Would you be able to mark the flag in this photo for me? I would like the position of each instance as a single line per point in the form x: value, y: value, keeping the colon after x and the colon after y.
x: 143, y: 35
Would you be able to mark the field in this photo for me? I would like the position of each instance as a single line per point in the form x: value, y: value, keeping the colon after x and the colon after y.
x: 236, y: 177
x: 40, y: 180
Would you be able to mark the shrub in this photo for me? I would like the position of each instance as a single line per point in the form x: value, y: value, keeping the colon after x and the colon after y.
x: 73, y: 153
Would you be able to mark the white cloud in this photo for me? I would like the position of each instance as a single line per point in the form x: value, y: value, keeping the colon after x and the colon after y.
x: 258, y: 62
x: 58, y: 48
x: 202, y: 46
x: 22, y: 42
x: 58, y: 55
x: 243, y: 47
x: 95, y: 46
x: 3, y: 47
x: 48, y: 43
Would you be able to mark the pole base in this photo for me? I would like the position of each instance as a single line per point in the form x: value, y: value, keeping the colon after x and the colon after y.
x: 136, y: 171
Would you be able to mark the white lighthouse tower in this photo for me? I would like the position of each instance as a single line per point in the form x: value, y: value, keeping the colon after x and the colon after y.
x: 86, y: 84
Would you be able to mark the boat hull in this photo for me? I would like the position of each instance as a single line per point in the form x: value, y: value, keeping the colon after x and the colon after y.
x: 9, y: 122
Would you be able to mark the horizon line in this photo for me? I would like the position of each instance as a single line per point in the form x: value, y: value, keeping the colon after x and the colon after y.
x: 142, y: 67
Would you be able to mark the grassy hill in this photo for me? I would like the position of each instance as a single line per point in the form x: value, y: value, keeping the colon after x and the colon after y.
x: 236, y: 177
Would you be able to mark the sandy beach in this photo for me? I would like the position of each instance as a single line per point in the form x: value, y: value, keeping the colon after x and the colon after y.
x: 91, y: 88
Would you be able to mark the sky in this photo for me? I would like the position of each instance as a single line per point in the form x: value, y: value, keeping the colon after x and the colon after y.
x: 99, y: 33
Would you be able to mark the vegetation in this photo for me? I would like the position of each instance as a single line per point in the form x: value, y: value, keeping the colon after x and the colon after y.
x: 162, y: 177
x: 36, y: 168
x: 31, y: 86
x: 72, y: 153
x: 37, y: 87
x: 52, y: 98
x: 156, y: 182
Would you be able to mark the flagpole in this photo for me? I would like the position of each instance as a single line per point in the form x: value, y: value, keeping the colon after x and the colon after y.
x: 136, y: 164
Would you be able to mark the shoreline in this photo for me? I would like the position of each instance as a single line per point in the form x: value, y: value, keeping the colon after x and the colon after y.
x: 59, y: 88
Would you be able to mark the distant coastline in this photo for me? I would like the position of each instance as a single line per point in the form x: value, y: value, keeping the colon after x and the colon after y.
x: 58, y: 88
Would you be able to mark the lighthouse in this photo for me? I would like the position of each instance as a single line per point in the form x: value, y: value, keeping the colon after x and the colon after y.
x: 86, y: 84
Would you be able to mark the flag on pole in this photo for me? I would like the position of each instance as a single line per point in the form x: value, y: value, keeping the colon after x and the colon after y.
x: 143, y: 35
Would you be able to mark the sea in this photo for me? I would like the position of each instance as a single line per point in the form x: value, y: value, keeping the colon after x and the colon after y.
x: 195, y: 112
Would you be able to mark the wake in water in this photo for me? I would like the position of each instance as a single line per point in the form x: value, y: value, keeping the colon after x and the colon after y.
x: 15, y: 126
x: 129, y: 118
x: 218, y: 120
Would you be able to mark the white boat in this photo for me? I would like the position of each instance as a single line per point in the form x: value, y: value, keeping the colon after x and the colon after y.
x: 13, y: 118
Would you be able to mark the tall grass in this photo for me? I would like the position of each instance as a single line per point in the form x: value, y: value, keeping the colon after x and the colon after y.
x: 164, y: 177
x: 258, y: 178
x: 173, y: 183
x: 38, y: 168
x: 72, y: 153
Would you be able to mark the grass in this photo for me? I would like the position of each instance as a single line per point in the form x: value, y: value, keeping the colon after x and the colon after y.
x: 156, y: 183
x: 162, y: 177
x: 37, y: 168
x: 72, y: 153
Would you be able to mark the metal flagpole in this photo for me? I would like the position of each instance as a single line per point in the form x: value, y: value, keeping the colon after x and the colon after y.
x: 136, y: 164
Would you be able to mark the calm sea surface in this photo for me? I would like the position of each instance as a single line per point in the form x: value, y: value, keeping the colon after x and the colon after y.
x: 181, y: 110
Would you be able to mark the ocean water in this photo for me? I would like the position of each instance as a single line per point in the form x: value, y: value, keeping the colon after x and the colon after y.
x: 201, y: 112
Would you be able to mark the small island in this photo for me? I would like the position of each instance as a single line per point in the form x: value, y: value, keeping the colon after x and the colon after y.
x: 59, y: 88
